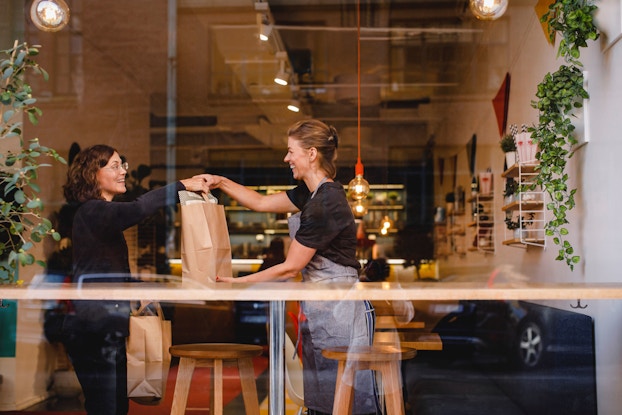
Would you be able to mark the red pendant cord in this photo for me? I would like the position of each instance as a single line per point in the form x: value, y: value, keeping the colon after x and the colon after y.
x: 358, y: 169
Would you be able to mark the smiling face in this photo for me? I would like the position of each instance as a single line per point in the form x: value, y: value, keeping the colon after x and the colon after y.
x: 111, y: 178
x: 298, y: 159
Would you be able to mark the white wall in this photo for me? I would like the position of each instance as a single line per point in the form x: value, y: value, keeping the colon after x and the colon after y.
x: 594, y: 230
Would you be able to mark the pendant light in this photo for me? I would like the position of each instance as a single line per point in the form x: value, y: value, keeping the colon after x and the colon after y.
x: 359, y: 208
x: 386, y: 224
x: 49, y: 15
x: 358, y: 187
x: 488, y: 9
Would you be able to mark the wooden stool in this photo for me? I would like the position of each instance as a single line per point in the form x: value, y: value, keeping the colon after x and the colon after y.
x: 215, y: 355
x: 380, y: 358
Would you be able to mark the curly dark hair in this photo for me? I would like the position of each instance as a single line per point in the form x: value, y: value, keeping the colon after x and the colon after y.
x: 82, y: 184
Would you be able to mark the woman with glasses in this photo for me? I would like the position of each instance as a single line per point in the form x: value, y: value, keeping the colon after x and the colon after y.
x: 95, y: 335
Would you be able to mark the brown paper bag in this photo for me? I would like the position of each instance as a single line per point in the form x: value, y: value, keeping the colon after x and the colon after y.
x: 205, y: 244
x: 148, y: 356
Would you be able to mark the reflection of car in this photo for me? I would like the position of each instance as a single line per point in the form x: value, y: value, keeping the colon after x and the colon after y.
x: 527, y: 334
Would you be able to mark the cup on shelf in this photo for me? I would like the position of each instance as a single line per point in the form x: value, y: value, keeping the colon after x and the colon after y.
x: 485, y: 182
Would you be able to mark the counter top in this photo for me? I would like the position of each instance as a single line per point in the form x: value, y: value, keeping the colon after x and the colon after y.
x: 275, y: 291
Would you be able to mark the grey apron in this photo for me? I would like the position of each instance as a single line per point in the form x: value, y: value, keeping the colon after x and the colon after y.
x: 329, y: 324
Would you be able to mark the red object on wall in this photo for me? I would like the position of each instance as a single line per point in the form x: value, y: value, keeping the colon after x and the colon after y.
x: 501, y: 102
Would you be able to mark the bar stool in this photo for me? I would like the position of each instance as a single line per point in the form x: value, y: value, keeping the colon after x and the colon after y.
x: 384, y: 359
x: 215, y: 355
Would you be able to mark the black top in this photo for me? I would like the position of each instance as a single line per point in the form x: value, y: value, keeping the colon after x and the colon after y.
x: 98, y: 242
x: 326, y: 222
x: 99, y: 247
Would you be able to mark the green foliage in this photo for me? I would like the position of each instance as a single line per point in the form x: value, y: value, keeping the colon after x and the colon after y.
x: 558, y: 96
x: 507, y: 143
x: 22, y: 224
x: 511, y: 187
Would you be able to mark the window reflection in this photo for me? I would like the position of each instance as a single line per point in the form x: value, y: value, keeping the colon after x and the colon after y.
x: 469, y: 354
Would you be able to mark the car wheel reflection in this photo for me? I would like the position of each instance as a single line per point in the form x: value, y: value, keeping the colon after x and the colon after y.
x: 530, y: 345
x: 526, y: 335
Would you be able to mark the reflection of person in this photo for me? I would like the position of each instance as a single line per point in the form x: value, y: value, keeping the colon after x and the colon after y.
x: 95, y: 336
x: 378, y: 270
x: 323, y: 249
x: 275, y: 254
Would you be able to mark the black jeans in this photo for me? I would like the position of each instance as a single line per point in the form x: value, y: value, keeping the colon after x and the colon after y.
x: 100, y: 363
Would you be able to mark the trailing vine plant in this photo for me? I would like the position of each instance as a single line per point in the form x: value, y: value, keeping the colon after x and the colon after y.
x: 22, y: 224
x: 558, y: 97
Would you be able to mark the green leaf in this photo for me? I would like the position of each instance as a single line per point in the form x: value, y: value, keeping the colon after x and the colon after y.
x: 7, y: 115
x: 19, y: 197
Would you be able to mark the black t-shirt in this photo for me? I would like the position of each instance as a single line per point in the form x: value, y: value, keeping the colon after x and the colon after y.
x: 326, y: 222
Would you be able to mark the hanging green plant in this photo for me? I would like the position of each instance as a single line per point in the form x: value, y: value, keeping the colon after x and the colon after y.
x: 22, y: 224
x: 559, y: 95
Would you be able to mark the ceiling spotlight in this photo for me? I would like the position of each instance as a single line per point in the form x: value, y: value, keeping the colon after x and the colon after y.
x: 49, y: 15
x: 294, y: 105
x: 282, y: 77
x: 264, y: 31
x: 488, y: 9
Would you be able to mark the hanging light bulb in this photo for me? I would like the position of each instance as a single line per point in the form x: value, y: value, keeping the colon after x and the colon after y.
x: 358, y: 188
x: 386, y: 224
x: 49, y: 15
x: 488, y: 9
x: 359, y: 208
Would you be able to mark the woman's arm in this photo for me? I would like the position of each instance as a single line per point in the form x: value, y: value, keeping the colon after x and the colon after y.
x: 277, y: 202
x: 298, y: 256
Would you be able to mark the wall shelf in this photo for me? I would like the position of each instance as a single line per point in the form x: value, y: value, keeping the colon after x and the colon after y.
x: 483, y: 207
x: 528, y: 209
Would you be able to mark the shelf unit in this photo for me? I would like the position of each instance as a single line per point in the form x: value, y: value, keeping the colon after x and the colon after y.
x: 483, y: 223
x: 529, y: 205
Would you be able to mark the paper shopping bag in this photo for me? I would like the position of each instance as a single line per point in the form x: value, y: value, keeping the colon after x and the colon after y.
x: 205, y: 244
x: 148, y: 357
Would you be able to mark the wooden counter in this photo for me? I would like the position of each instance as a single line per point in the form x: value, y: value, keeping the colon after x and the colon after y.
x: 291, y: 291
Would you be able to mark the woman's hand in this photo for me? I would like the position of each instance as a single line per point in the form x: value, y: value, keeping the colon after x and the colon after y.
x: 196, y: 184
x: 211, y: 180
x: 226, y: 279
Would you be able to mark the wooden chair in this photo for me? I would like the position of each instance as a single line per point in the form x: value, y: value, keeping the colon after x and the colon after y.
x: 216, y: 355
x: 384, y: 359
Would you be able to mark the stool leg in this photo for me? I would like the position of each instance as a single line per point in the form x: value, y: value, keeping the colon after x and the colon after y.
x: 249, y: 388
x: 392, y: 385
x: 344, y: 389
x: 182, y: 385
x: 218, y: 385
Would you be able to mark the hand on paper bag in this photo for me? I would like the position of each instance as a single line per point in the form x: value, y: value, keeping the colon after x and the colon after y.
x: 225, y: 279
x: 196, y: 184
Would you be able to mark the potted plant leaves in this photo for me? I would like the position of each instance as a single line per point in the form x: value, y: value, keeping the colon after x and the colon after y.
x: 22, y: 224
x: 508, y: 146
x: 510, y: 190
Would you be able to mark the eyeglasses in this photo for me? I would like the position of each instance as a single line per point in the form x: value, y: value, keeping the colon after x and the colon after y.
x: 115, y: 167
